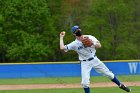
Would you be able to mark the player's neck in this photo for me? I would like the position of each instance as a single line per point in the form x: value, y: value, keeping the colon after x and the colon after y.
x: 79, y: 38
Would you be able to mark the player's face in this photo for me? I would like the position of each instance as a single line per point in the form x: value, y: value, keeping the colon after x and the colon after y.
x: 78, y: 32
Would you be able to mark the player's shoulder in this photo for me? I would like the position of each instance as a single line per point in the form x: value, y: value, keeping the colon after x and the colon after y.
x: 74, y: 42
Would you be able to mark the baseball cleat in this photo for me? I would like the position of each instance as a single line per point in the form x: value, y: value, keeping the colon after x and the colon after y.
x: 125, y: 88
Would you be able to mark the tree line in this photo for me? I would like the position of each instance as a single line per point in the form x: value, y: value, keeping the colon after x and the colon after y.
x: 29, y: 29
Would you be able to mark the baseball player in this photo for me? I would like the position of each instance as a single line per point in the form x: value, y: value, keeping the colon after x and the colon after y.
x: 85, y: 46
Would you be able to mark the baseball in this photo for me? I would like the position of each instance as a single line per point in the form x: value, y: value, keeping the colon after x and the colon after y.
x: 63, y: 33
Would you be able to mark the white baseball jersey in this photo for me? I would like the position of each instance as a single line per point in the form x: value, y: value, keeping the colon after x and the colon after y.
x: 84, y: 53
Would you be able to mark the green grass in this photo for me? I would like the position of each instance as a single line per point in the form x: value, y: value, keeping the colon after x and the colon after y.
x: 64, y: 80
x: 93, y: 90
x: 69, y: 80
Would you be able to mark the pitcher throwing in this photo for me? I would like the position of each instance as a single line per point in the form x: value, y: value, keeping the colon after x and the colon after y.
x: 85, y: 46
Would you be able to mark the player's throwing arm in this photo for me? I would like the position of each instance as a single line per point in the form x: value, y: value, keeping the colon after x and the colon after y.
x: 62, y: 34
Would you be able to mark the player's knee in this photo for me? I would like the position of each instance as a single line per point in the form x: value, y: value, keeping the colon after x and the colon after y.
x: 110, y: 75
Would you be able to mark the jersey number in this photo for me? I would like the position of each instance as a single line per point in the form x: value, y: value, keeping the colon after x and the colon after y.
x: 90, y: 51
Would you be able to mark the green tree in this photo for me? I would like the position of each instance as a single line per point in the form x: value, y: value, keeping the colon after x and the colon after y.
x: 111, y: 22
x: 29, y: 29
x: 23, y: 27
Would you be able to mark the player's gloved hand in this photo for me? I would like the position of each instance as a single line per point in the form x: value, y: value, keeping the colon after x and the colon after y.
x: 87, y: 42
x: 62, y: 34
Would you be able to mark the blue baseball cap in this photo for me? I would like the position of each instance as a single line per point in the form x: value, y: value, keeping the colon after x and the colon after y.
x: 74, y: 28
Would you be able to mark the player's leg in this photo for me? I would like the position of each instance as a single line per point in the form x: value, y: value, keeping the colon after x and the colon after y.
x: 101, y: 68
x: 85, y: 73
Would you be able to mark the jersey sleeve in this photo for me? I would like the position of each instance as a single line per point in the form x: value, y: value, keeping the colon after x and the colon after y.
x: 69, y: 46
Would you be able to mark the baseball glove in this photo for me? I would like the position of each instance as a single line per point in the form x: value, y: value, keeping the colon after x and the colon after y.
x: 87, y: 42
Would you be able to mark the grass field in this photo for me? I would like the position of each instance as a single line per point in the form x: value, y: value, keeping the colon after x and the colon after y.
x: 68, y: 80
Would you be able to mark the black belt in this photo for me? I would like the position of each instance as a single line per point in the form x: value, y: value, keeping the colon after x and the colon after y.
x: 91, y: 58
